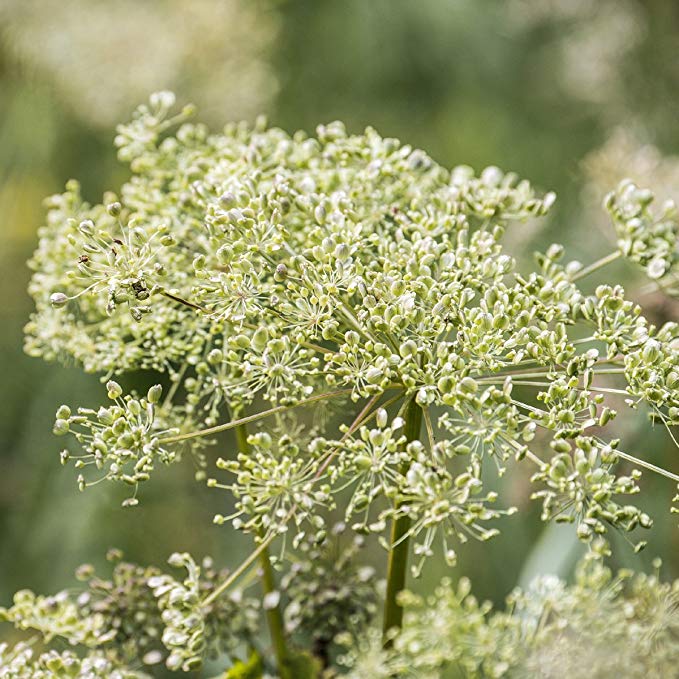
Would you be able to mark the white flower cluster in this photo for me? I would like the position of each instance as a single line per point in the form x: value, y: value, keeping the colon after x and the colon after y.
x: 22, y: 662
x: 266, y: 275
x: 602, y: 625
x: 259, y: 265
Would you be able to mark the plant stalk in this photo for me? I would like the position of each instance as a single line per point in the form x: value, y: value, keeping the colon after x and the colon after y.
x: 595, y: 266
x: 233, y: 424
x: 274, y: 617
x: 397, y: 563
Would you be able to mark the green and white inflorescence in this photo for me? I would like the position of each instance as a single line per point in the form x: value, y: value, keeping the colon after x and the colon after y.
x: 282, y: 280
x: 603, y: 625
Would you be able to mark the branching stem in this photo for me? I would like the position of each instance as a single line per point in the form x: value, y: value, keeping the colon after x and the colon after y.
x: 595, y: 266
x: 252, y: 418
x: 364, y: 416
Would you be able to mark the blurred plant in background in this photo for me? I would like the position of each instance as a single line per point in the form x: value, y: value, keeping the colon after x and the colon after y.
x: 603, y: 625
x: 626, y: 153
x: 588, y: 41
x: 100, y: 58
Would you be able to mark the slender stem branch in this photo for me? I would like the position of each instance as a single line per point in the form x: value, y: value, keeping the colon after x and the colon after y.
x: 594, y: 266
x: 605, y: 390
x: 362, y: 417
x: 197, y: 307
x: 273, y: 613
x: 216, y: 593
x: 274, y: 618
x: 181, y: 300
x: 398, y: 556
x: 498, y: 378
x: 252, y: 418
x: 430, y: 428
x: 646, y: 465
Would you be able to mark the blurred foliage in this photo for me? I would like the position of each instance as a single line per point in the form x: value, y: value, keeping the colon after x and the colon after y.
x: 100, y: 57
x: 571, y: 94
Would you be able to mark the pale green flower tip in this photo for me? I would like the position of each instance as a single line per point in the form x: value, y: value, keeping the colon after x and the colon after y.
x: 114, y: 208
x: 152, y: 658
x: 656, y: 268
x: 58, y: 300
x: 63, y: 413
x: 114, y: 390
x: 61, y: 427
x: 154, y: 393
x: 408, y: 349
x: 163, y: 100
x: 215, y: 357
x: 189, y: 110
x: 177, y: 559
x: 548, y: 200
x: 86, y: 227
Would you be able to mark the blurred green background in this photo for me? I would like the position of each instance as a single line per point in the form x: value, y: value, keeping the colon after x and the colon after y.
x: 571, y: 94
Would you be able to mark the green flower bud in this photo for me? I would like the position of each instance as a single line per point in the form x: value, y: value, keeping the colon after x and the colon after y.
x: 61, y: 427
x: 373, y: 375
x: 114, y: 208
x: 58, y: 300
x: 154, y: 393
x: 63, y: 413
x: 408, y: 348
x: 468, y: 385
x: 215, y: 357
x: 114, y: 390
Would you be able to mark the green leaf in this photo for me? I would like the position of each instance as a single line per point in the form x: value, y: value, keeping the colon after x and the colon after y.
x: 250, y: 669
x: 303, y: 665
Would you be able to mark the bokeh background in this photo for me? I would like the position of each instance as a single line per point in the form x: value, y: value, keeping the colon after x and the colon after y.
x: 571, y: 94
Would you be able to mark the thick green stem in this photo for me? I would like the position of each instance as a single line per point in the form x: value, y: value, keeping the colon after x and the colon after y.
x: 274, y: 617
x: 397, y: 563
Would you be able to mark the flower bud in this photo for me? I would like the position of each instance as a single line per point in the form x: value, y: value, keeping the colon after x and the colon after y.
x: 260, y: 338
x: 215, y: 357
x: 468, y: 385
x: 154, y: 393
x: 114, y: 390
x: 63, y: 413
x: 61, y: 427
x: 408, y: 348
x: 86, y: 227
x: 281, y: 272
x: 58, y: 300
